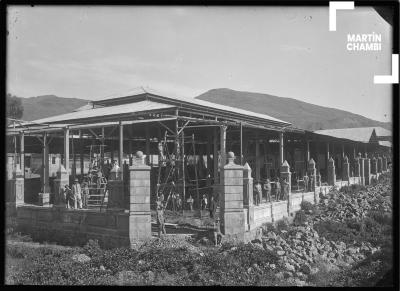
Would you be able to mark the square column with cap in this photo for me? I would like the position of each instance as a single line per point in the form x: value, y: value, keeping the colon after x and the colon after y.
x: 331, y: 172
x: 233, y: 220
x: 248, y: 195
x: 139, y: 193
x: 346, y: 169
x: 362, y: 175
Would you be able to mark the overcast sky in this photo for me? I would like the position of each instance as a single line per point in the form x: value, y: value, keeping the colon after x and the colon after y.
x: 92, y: 52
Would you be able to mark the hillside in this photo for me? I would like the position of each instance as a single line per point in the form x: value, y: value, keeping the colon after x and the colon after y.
x: 49, y: 105
x: 300, y: 114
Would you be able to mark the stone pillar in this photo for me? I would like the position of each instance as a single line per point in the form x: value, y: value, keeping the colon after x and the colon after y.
x: 18, y: 186
x: 286, y: 175
x: 59, y: 184
x: 367, y: 170
x: 248, y: 195
x: 362, y: 175
x: 374, y: 166
x: 379, y: 164
x: 139, y: 198
x: 312, y: 173
x: 384, y: 164
x: 346, y: 169
x: 232, y: 213
x: 331, y: 172
x: 115, y: 186
x: 357, y: 168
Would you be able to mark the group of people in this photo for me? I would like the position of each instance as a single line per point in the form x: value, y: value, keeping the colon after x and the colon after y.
x: 76, y: 196
x: 279, y: 190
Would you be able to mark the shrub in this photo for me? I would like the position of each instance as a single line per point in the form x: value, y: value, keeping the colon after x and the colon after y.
x: 92, y: 248
x: 300, y: 218
x: 283, y: 224
x: 306, y: 205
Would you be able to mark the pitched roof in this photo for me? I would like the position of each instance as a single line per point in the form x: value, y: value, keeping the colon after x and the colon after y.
x: 179, y: 100
x: 140, y: 106
x: 359, y: 134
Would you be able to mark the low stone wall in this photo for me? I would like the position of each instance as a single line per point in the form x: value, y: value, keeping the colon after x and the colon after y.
x: 74, y: 227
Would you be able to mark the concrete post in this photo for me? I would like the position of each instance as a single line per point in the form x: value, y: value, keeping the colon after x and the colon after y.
x: 331, y: 172
x: 357, y: 168
x: 115, y: 186
x: 362, y: 175
x: 367, y: 170
x: 374, y: 166
x: 248, y: 195
x: 139, y: 198
x: 232, y: 213
x: 379, y: 164
x: 286, y: 175
x: 384, y: 164
x: 346, y: 169
x: 312, y: 173
x: 59, y: 184
x: 18, y: 189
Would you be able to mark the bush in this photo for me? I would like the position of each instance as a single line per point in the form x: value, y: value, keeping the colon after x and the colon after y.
x: 352, y: 189
x: 283, y: 224
x: 300, y: 218
x: 306, y: 205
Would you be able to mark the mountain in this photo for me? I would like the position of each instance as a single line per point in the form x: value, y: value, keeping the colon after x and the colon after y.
x: 49, y: 105
x: 301, y: 114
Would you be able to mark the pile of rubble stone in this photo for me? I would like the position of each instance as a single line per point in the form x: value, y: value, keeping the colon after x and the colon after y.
x: 300, y: 248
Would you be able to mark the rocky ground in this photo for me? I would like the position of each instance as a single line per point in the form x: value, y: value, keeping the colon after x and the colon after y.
x: 344, y: 241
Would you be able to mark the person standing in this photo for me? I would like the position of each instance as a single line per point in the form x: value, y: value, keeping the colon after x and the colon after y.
x: 85, y: 193
x: 77, y: 193
x: 285, y: 189
x: 267, y: 188
x: 257, y: 193
x: 306, y: 183
x: 204, y: 202
x: 160, y: 218
x: 213, y: 207
x: 67, y: 195
x: 217, y: 232
x: 190, y: 202
x: 278, y: 189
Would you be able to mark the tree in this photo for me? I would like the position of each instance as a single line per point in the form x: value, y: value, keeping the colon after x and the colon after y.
x: 14, y: 107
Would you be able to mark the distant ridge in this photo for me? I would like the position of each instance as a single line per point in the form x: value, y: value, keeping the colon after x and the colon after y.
x: 49, y: 105
x: 301, y: 114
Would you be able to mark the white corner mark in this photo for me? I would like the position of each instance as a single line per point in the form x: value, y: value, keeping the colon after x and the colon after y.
x: 392, y: 79
x: 333, y: 6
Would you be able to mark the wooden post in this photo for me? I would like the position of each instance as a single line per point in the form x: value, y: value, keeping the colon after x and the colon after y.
x: 281, y: 149
x: 82, y: 157
x: 73, y: 157
x: 45, y: 164
x: 22, y: 153
x: 222, y: 147
x: 147, y: 145
x: 241, y: 144
x: 215, y: 156
x: 257, y: 157
x: 66, y: 150
x: 121, y: 146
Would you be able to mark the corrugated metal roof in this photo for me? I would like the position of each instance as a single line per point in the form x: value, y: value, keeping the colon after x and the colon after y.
x: 140, y: 106
x: 360, y: 134
x: 211, y: 105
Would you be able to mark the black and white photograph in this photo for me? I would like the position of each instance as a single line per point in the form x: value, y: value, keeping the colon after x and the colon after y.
x: 202, y: 145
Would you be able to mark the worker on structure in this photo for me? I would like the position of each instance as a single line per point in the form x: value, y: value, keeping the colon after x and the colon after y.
x: 204, y: 202
x: 217, y: 232
x: 305, y: 178
x: 85, y: 192
x: 160, y: 218
x: 257, y: 193
x: 77, y: 193
x: 267, y: 188
x: 190, y: 202
x: 278, y: 189
x: 178, y: 202
x: 213, y: 207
